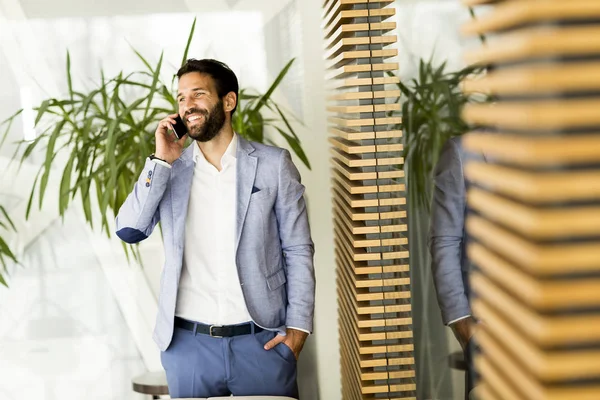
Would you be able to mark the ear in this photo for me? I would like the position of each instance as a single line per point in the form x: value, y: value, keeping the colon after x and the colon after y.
x: 230, y: 101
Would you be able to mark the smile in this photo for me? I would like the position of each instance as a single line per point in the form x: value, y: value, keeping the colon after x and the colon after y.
x: 194, y: 118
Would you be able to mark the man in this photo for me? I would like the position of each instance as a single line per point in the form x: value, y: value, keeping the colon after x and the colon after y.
x: 237, y: 290
x: 447, y: 240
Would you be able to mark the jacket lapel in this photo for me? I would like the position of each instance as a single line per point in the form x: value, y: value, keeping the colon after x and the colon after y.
x: 246, y: 172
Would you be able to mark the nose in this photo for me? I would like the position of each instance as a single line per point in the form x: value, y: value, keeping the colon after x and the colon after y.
x: 185, y: 105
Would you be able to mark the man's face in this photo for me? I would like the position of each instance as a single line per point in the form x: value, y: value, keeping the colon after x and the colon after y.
x: 200, y: 107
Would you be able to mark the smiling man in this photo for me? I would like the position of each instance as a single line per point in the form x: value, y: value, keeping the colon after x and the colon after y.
x: 237, y: 290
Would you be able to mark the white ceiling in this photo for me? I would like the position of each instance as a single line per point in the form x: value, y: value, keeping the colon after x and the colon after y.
x: 92, y: 8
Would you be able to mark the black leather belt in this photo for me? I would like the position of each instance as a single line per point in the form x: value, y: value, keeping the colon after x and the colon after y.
x: 219, y: 331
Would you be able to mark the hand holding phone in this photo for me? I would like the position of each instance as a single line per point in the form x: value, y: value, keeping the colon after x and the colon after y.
x: 168, y: 140
x: 179, y: 128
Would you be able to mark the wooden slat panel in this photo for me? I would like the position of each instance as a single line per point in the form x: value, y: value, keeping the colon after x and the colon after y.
x: 348, y: 123
x: 352, y: 187
x: 537, y: 43
x: 540, y: 151
x: 552, y: 223
x: 345, y: 58
x: 479, y: 2
x: 350, y: 43
x: 531, y: 187
x: 538, y: 259
x: 366, y: 203
x: 352, y: 69
x: 537, y: 79
x: 554, y: 294
x: 519, y: 379
x: 364, y: 108
x: 392, y: 94
x: 542, y: 331
x: 529, y: 115
x: 515, y: 13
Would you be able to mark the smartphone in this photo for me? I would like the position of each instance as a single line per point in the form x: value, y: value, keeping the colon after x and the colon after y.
x: 179, y: 128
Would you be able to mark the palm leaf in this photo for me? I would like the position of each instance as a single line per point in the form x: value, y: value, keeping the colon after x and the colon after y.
x: 264, y: 98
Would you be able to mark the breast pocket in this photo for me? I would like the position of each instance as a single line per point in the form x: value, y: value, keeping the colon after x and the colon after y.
x: 262, y: 194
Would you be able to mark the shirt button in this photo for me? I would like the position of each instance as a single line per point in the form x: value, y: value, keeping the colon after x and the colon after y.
x: 147, y: 184
x: 149, y: 173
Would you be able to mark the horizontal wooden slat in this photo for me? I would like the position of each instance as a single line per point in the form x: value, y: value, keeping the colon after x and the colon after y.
x: 537, y: 79
x: 355, y: 82
x: 517, y: 13
x: 353, y: 174
x: 357, y: 254
x: 350, y: 151
x: 363, y: 298
x: 392, y: 94
x: 345, y: 58
x: 343, y: 18
x: 350, y: 134
x: 356, y: 241
x: 351, y: 160
x: 535, y: 222
x: 357, y: 43
x: 359, y: 188
x: 363, y: 267
x: 535, y: 151
x: 352, y: 187
x: 348, y: 123
x: 345, y: 4
x: 531, y: 187
x: 355, y: 215
x: 556, y: 294
x: 538, y: 259
x: 479, y: 2
x: 351, y: 147
x: 356, y: 161
x: 518, y: 378
x: 367, y: 321
x: 353, y: 69
x: 483, y: 391
x: 334, y: 7
x: 364, y: 108
x: 528, y: 115
x: 537, y: 43
x: 358, y: 215
x: 536, y: 330
x: 497, y: 381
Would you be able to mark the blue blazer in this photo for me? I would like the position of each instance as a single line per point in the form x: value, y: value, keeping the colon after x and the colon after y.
x: 274, y: 249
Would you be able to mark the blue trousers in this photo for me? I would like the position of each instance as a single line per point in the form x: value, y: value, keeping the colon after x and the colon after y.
x: 199, y: 365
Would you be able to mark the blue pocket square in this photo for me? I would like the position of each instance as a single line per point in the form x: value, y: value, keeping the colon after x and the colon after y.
x: 255, y: 189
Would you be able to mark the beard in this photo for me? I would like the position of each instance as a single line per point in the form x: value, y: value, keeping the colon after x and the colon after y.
x: 210, y: 128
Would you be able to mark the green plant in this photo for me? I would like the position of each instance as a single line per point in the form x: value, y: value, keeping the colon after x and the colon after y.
x: 431, y: 114
x: 431, y: 108
x: 5, y: 252
x: 105, y: 134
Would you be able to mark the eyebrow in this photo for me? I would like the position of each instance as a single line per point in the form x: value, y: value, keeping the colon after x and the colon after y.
x: 198, y: 89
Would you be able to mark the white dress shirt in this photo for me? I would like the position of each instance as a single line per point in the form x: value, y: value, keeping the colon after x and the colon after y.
x: 209, y: 288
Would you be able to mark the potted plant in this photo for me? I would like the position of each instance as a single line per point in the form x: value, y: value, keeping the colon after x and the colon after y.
x: 105, y: 133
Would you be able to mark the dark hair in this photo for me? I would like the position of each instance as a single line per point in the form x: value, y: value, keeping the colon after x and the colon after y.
x: 224, y: 78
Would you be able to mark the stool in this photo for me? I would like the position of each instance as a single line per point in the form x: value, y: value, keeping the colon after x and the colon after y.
x: 151, y: 383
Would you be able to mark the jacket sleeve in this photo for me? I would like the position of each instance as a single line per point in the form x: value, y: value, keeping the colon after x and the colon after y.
x: 446, y: 233
x: 139, y: 214
x: 297, y: 245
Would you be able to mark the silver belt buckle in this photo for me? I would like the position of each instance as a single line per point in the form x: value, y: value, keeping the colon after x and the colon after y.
x: 210, y: 331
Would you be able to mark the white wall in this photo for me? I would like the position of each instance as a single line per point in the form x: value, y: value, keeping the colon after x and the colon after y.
x: 93, y: 41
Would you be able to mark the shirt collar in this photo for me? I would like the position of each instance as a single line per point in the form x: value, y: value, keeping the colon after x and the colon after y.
x: 230, y: 152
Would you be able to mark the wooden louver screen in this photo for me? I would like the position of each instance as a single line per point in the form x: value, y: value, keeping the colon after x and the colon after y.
x: 534, y: 219
x: 373, y: 282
